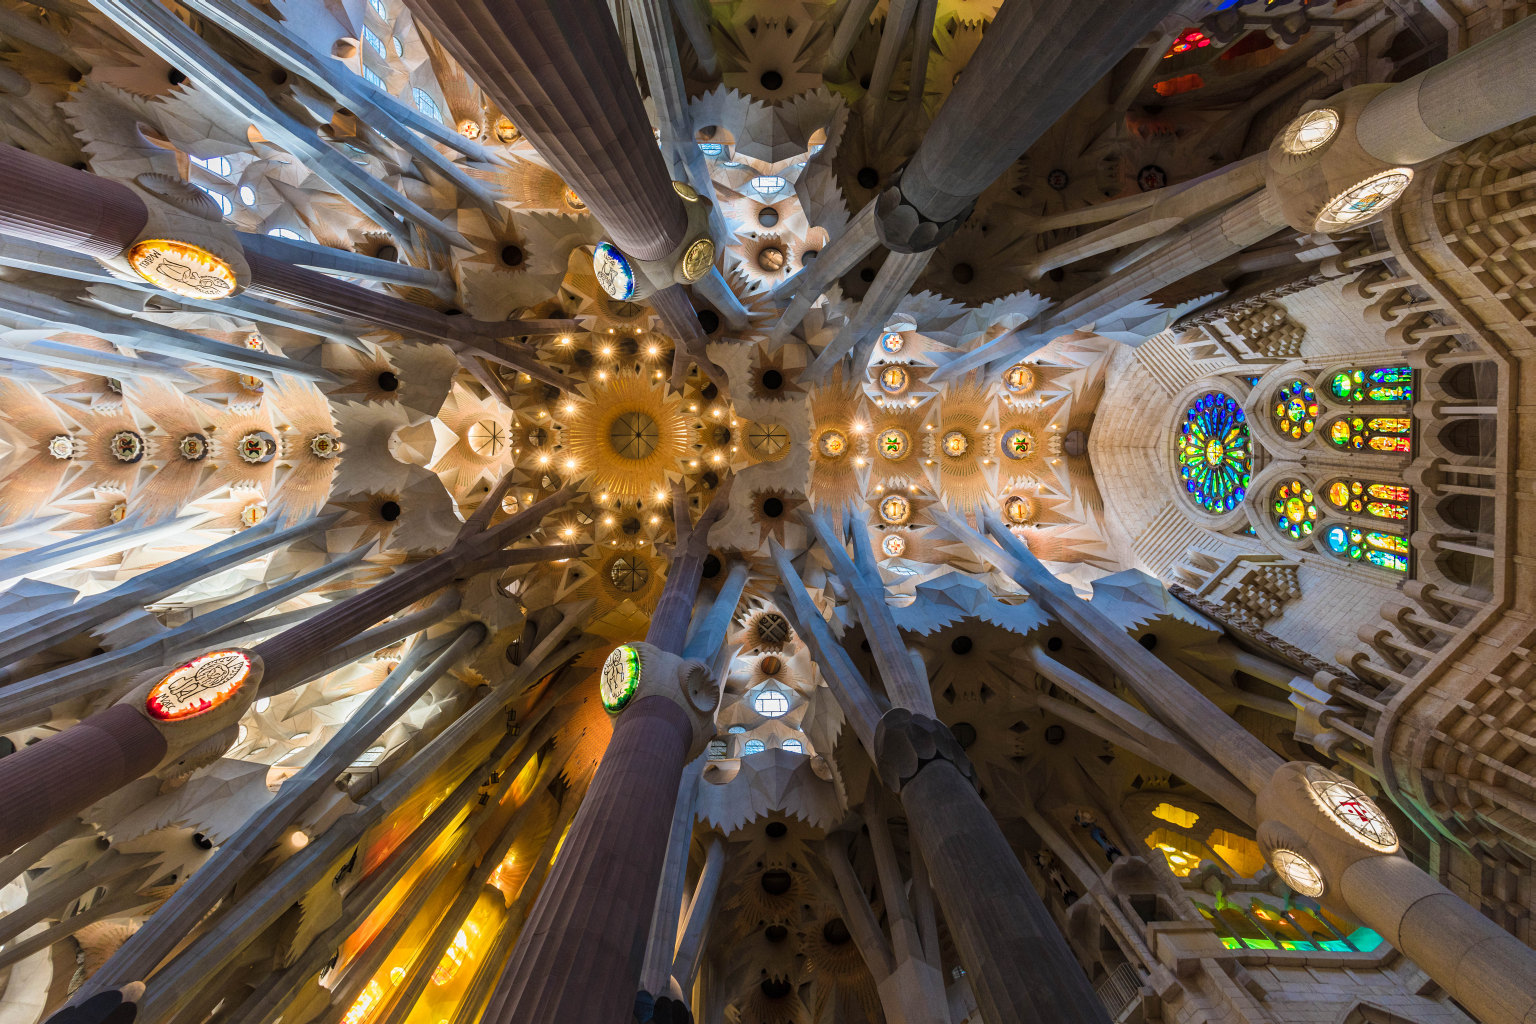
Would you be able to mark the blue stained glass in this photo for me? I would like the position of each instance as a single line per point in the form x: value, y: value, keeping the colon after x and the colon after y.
x: 1215, y: 459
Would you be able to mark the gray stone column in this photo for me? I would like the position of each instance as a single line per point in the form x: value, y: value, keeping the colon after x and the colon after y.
x: 1479, y: 90
x: 556, y: 67
x: 1033, y: 64
x: 1018, y: 961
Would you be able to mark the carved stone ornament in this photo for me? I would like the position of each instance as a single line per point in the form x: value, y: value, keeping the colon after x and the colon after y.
x: 905, y: 742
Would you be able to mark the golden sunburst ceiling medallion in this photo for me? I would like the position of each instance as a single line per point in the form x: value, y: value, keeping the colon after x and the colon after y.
x: 628, y: 436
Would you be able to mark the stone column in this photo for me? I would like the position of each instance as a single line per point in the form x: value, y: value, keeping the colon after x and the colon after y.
x: 1328, y: 840
x: 1169, y: 696
x: 49, y: 782
x: 700, y: 910
x: 291, y: 651
x: 1479, y: 90
x: 674, y: 609
x: 1033, y: 64
x: 580, y: 954
x: 234, y: 550
x: 557, y: 68
x: 1019, y: 962
x: 661, y: 947
x: 67, y: 208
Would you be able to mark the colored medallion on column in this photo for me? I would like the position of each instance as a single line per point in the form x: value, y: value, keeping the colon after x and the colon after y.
x: 182, y: 268
x: 1348, y: 807
x: 620, y: 678
x: 613, y: 271
x: 199, y: 686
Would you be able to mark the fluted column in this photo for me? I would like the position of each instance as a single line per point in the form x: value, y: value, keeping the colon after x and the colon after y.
x: 580, y: 953
x: 1019, y: 963
x: 1033, y: 64
x: 72, y: 209
x: 1021, y: 968
x: 48, y: 782
x: 557, y: 68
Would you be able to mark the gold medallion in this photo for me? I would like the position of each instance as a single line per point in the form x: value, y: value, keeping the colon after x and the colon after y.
x: 699, y: 259
x: 686, y: 191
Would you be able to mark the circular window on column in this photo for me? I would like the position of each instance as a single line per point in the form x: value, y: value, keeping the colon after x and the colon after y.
x: 620, y: 678
x: 199, y: 686
x: 1214, y: 453
x: 1348, y: 807
x: 1298, y: 872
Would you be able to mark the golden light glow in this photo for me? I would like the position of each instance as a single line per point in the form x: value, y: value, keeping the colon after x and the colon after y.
x: 182, y: 268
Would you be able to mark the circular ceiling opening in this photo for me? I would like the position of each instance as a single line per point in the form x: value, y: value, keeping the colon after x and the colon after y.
x: 634, y: 435
x: 776, y: 883
x: 771, y: 80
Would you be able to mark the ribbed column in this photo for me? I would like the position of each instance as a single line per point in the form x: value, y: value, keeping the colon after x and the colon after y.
x: 558, y: 70
x: 1033, y: 64
x: 48, y: 782
x: 580, y: 954
x: 1020, y: 968
x: 60, y: 206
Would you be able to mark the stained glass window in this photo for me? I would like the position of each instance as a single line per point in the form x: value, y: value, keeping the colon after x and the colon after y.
x: 752, y: 747
x: 1378, y: 384
x: 1365, y: 200
x: 1189, y: 39
x: 374, y: 42
x: 1296, y: 409
x: 1383, y: 501
x: 1379, y: 433
x: 1379, y: 548
x: 794, y: 746
x: 1215, y: 460
x: 1295, y: 509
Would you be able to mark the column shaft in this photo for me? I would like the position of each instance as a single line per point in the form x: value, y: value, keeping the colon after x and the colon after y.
x: 559, y: 71
x: 1487, y: 970
x: 61, y: 206
x: 1018, y: 962
x: 48, y: 782
x: 580, y: 953
x: 1480, y: 90
x: 1033, y: 64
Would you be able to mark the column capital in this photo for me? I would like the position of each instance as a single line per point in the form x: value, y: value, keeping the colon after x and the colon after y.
x: 904, y: 228
x: 905, y: 743
x: 637, y: 670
